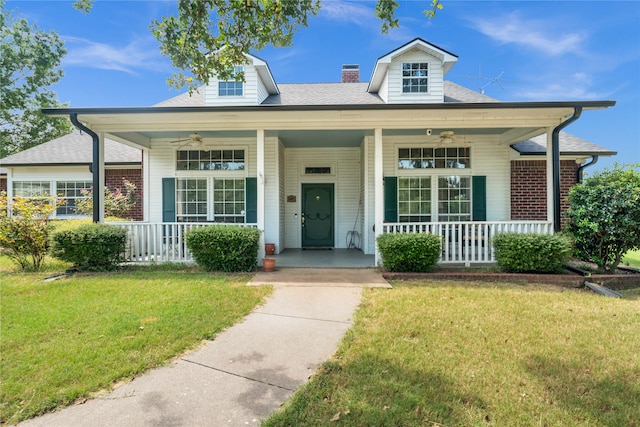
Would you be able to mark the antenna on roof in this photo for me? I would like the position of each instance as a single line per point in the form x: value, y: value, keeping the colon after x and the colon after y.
x: 489, y: 80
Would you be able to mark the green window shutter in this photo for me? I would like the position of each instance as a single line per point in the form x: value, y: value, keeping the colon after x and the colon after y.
x: 479, y: 198
x: 168, y: 199
x: 251, y: 200
x: 390, y: 199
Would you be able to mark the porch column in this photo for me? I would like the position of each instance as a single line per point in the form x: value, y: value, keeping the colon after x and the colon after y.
x: 549, y: 166
x: 261, y: 180
x: 378, y: 178
x: 98, y: 193
x: 146, y: 180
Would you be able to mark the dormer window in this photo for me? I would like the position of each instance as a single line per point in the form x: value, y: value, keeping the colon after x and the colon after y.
x: 415, y: 77
x: 231, y: 88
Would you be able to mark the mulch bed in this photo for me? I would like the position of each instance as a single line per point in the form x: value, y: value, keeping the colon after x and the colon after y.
x: 624, y: 280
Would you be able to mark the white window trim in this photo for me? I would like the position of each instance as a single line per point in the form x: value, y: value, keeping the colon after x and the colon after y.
x: 430, y: 171
x: 210, y: 195
x: 331, y: 165
x: 214, y: 173
x: 434, y: 174
x: 402, y: 77
x: 236, y: 70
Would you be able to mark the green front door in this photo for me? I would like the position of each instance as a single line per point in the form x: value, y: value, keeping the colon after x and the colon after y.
x: 317, y: 216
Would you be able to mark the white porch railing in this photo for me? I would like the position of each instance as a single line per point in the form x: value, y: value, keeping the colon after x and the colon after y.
x: 469, y: 242
x: 462, y: 242
x: 160, y: 242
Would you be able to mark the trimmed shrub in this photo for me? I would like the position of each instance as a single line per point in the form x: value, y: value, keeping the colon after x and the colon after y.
x: 604, y: 216
x: 91, y: 247
x: 531, y: 253
x: 24, y: 236
x: 228, y: 248
x: 409, y: 252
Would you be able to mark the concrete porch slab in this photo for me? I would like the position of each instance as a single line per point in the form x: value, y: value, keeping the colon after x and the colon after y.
x: 327, y: 277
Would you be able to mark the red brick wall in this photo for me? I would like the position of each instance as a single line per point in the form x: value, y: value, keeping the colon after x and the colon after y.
x: 529, y: 188
x: 113, y: 179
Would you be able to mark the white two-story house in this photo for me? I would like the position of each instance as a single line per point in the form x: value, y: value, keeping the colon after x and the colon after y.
x: 333, y: 165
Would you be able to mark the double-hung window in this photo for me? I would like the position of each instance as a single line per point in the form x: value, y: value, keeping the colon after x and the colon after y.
x: 228, y: 200
x: 414, y: 199
x: 454, y: 198
x: 71, y: 192
x: 32, y: 189
x: 415, y: 77
x: 210, y: 200
x: 191, y: 199
x: 231, y: 87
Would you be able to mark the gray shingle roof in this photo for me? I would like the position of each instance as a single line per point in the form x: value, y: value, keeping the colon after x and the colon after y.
x: 323, y: 94
x: 184, y: 99
x: 73, y: 149
x: 328, y: 94
x: 455, y: 93
x: 569, y: 144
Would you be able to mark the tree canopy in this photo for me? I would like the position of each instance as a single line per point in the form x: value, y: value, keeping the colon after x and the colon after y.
x: 604, y: 215
x: 29, y: 65
x: 207, y: 38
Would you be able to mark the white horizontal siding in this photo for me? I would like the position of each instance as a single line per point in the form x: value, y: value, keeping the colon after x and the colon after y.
x: 488, y: 158
x: 491, y: 159
x: 345, y: 163
x: 436, y: 76
x: 51, y: 173
x: 262, y: 92
x: 162, y: 164
x: 250, y: 91
x: 383, y: 92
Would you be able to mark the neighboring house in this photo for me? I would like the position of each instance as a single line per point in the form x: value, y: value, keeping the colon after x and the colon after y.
x: 337, y: 164
x: 3, y: 179
x: 63, y: 167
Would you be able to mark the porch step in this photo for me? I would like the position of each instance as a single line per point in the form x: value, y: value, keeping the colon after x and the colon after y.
x: 321, y: 277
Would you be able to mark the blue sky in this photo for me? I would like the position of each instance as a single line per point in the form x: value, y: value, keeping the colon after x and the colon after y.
x: 542, y: 51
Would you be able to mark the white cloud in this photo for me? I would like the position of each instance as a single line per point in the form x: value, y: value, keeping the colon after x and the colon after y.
x: 138, y: 55
x: 351, y: 13
x: 538, y: 35
x: 576, y: 86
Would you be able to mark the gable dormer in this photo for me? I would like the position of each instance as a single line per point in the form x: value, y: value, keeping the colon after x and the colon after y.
x: 412, y: 74
x: 258, y: 85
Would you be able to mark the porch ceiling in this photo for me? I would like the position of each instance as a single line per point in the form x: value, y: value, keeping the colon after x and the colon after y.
x: 327, y: 125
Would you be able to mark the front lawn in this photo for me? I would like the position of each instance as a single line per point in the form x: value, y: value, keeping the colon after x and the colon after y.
x: 70, y: 338
x: 442, y: 354
x: 632, y: 258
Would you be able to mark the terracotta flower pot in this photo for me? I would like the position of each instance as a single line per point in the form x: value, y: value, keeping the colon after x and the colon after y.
x: 270, y: 248
x: 268, y: 264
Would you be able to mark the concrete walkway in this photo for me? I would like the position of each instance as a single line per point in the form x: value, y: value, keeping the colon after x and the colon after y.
x: 246, y: 373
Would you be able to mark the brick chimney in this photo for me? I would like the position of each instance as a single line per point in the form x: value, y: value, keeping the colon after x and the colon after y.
x: 350, y: 73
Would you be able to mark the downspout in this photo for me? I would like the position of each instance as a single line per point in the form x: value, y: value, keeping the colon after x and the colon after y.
x: 594, y: 160
x: 555, y: 160
x: 97, y: 207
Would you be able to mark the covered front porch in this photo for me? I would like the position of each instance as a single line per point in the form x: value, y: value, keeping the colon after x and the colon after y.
x: 448, y: 169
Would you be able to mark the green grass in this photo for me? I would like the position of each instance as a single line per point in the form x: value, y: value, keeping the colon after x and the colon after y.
x: 632, y: 258
x: 70, y: 338
x: 442, y: 354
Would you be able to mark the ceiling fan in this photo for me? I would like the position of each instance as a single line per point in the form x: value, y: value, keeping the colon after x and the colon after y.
x: 446, y: 138
x: 194, y: 140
